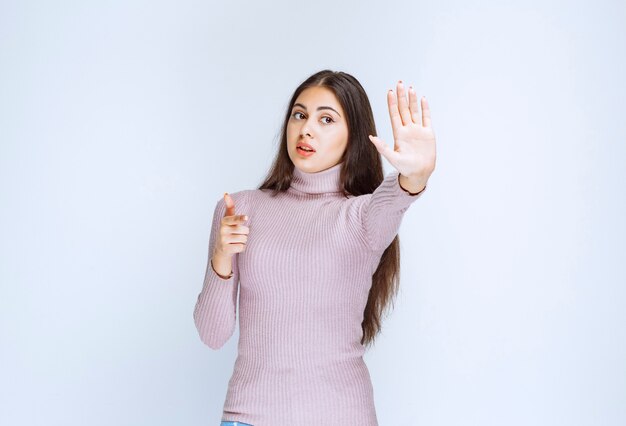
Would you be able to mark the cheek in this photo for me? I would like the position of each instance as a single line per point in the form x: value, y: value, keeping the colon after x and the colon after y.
x: 291, y: 133
x: 340, y: 137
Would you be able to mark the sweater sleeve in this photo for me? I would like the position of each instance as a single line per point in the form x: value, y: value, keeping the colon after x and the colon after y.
x: 381, y: 212
x: 215, y: 311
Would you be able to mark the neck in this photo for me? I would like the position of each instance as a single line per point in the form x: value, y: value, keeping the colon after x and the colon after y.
x: 317, y: 182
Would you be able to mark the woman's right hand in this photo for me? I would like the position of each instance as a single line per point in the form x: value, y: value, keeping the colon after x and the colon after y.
x: 233, y: 235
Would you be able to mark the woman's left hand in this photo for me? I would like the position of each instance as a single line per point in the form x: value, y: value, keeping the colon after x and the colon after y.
x: 413, y: 153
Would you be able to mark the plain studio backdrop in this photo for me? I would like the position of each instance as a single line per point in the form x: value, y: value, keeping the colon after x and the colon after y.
x: 122, y: 124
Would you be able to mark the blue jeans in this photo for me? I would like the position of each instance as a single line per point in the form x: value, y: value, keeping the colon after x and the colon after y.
x: 227, y: 423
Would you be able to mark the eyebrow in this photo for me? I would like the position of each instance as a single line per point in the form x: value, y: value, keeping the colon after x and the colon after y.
x: 318, y: 108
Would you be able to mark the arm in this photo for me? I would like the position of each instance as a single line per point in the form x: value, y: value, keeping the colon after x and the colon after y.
x: 413, y: 155
x: 215, y: 311
x: 381, y: 212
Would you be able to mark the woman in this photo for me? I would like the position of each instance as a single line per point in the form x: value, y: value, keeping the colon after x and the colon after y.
x: 318, y: 261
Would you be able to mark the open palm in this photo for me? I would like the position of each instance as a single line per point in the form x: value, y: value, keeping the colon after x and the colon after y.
x: 413, y: 153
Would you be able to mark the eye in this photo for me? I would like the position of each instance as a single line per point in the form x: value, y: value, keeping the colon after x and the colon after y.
x: 295, y: 115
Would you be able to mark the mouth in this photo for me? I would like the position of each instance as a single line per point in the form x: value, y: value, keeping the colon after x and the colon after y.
x: 305, y: 150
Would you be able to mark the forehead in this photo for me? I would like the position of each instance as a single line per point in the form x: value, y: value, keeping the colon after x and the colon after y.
x: 313, y: 97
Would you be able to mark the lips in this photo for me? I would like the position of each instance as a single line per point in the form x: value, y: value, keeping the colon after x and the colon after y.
x: 305, y: 145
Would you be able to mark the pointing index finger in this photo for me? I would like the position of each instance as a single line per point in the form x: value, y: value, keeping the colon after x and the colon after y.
x: 230, y: 205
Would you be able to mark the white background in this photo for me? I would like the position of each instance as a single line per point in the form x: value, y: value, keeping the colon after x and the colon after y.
x: 123, y: 122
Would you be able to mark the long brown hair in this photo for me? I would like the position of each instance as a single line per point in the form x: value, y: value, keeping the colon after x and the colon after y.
x: 361, y: 173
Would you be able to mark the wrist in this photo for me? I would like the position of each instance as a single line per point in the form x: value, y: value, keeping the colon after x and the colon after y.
x: 411, y: 185
x: 222, y: 266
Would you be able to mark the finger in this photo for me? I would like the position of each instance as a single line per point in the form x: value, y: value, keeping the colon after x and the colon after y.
x: 425, y: 113
x: 383, y: 148
x: 415, y: 114
x: 235, y: 239
x: 234, y: 219
x: 240, y: 229
x: 394, y: 114
x: 230, y: 205
x: 403, y: 105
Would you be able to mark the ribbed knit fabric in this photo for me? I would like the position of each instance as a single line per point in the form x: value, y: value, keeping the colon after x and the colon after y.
x: 303, y: 282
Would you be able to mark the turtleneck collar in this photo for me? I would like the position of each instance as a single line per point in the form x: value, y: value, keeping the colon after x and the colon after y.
x: 318, y: 182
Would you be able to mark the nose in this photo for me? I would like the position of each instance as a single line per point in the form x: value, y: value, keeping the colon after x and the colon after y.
x: 305, y: 130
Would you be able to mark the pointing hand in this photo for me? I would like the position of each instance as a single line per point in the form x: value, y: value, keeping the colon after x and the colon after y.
x: 233, y: 235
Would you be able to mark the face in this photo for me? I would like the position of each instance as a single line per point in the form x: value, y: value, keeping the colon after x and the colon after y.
x: 318, y: 120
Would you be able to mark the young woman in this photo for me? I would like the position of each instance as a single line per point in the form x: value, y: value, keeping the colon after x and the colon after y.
x: 318, y: 261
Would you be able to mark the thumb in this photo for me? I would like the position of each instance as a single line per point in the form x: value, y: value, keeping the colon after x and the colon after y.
x: 383, y: 148
x: 230, y: 205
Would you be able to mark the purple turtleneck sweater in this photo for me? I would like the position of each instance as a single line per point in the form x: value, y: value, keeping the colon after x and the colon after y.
x: 303, y: 283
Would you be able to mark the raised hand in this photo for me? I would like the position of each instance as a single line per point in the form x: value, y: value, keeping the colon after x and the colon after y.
x: 413, y: 153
